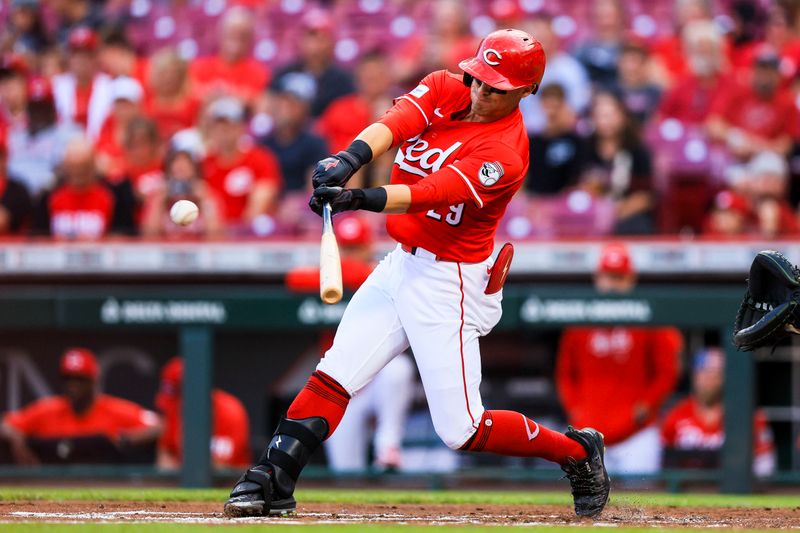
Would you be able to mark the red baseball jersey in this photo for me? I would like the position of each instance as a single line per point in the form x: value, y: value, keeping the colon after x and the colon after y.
x: 81, y: 214
x: 602, y: 373
x: 742, y: 107
x: 54, y: 418
x: 684, y: 429
x: 234, y: 179
x: 230, y: 433
x: 461, y: 174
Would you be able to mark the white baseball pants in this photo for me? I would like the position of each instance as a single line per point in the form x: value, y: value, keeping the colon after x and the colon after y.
x: 437, y: 308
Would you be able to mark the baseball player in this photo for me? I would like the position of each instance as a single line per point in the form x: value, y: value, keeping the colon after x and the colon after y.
x: 463, y: 154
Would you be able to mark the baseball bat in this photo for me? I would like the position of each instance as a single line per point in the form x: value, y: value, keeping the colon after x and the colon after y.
x: 330, y: 266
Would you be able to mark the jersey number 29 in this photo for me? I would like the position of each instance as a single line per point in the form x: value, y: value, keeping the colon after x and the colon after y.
x: 453, y: 217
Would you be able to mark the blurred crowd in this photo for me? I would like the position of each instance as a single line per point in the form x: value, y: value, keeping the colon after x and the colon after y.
x: 659, y: 117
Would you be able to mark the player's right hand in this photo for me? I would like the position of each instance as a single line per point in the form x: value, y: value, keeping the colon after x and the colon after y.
x: 340, y: 199
x: 335, y: 170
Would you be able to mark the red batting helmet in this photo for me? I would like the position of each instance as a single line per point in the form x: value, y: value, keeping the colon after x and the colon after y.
x: 507, y: 59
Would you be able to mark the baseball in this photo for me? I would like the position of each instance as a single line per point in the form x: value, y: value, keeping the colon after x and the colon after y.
x: 184, y: 212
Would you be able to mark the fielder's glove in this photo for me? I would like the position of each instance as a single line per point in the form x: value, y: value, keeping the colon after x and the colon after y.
x: 770, y: 308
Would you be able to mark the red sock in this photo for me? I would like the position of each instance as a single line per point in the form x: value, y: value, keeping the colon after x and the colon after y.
x: 321, y: 396
x: 512, y: 433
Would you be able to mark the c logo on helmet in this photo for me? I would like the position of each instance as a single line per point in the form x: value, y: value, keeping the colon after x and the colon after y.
x: 497, y: 54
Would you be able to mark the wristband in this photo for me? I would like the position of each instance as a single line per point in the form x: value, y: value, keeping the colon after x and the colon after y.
x: 360, y: 151
x: 373, y: 199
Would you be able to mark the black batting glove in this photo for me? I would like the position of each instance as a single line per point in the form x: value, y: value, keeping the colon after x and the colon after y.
x: 336, y: 170
x: 347, y: 199
x: 339, y: 198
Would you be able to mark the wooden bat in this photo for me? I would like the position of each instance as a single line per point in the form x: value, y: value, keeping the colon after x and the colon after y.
x: 330, y: 266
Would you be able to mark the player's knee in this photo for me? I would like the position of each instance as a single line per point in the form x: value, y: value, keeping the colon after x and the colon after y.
x: 454, y: 435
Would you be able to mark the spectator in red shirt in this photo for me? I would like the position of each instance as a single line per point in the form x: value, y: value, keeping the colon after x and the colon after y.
x: 690, y: 97
x: 670, y: 56
x: 230, y: 430
x: 126, y: 95
x: 693, y: 431
x: 757, y: 115
x: 348, y: 115
x: 182, y: 181
x: 82, y: 425
x: 766, y: 182
x: 168, y: 98
x: 730, y: 216
x: 616, y: 378
x: 142, y: 157
x: 82, y: 207
x: 448, y: 41
x: 245, y: 176
x: 117, y: 56
x: 232, y: 71
x: 83, y: 93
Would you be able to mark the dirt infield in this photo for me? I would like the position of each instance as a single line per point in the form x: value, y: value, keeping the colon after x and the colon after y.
x: 434, y: 514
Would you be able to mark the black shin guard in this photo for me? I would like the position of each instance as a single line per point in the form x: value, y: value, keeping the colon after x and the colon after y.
x: 289, y: 451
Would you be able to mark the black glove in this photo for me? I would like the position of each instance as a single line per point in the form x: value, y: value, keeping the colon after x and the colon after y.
x: 770, y: 308
x: 347, y: 199
x: 336, y: 170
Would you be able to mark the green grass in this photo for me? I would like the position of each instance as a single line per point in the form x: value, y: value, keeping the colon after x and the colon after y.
x: 369, y: 496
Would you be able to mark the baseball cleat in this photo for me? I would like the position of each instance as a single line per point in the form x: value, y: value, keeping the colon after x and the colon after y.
x: 252, y: 496
x: 588, y: 477
x: 251, y: 505
x: 245, y: 505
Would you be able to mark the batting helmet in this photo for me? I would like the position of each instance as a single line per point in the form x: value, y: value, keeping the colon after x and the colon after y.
x: 507, y: 59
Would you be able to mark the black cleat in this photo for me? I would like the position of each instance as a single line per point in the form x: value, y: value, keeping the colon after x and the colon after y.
x: 252, y: 496
x: 588, y: 478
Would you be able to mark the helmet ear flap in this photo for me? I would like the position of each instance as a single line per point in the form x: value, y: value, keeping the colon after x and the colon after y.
x: 467, y: 79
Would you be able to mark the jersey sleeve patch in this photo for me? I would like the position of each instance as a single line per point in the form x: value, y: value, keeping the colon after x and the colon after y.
x: 490, y: 173
x: 419, y: 91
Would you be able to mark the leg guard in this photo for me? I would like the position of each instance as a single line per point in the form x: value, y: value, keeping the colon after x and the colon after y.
x: 268, y: 487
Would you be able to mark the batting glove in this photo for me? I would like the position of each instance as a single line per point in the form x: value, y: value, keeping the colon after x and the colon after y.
x: 347, y: 199
x: 336, y: 170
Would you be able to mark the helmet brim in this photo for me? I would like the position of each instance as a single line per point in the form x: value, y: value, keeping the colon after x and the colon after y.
x: 480, y: 70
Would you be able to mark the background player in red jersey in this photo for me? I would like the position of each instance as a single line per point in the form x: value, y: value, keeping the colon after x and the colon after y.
x: 230, y: 430
x: 618, y: 377
x: 82, y: 425
x: 693, y: 431
x: 463, y: 155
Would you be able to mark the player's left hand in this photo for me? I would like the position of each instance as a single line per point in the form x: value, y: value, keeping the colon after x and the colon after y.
x: 341, y: 199
x: 335, y: 170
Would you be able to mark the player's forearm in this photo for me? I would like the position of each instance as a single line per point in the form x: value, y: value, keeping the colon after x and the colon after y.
x: 379, y: 138
x: 398, y: 198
